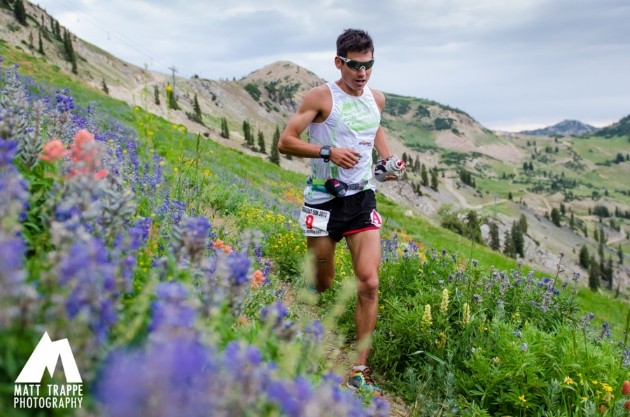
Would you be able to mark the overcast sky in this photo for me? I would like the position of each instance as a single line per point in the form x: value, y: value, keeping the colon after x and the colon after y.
x: 510, y: 64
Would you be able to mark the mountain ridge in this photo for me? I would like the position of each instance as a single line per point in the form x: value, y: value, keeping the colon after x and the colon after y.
x: 563, y: 128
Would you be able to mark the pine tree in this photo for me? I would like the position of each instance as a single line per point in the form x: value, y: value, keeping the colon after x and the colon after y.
x: 19, y: 12
x: 171, y: 101
x: 274, y: 156
x: 57, y: 31
x: 584, y: 257
x: 104, y: 86
x: 593, y: 275
x: 555, y: 216
x: 156, y: 95
x: 197, y: 109
x: 518, y: 239
x: 424, y: 176
x: 508, y: 248
x: 225, y: 131
x: 495, y: 241
x: 70, y: 55
x: 609, y: 272
x: 522, y: 224
x: 472, y: 224
x: 620, y: 254
x: 434, y: 179
x: 40, y: 47
x: 261, y: 143
x: 247, y: 134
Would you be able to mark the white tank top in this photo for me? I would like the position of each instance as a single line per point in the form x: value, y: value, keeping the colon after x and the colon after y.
x: 352, y: 123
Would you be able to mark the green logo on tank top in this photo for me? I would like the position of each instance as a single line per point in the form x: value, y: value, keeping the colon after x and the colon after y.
x: 359, y: 116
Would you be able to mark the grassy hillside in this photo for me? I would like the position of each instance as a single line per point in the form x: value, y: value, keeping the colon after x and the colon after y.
x: 462, y: 328
x: 241, y: 194
x: 576, y: 175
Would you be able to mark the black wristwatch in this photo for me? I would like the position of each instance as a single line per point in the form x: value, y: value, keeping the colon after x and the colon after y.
x: 324, y: 153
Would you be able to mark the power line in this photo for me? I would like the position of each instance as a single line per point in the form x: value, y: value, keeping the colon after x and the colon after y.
x: 89, y: 16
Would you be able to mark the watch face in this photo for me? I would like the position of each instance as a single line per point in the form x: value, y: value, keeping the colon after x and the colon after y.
x: 324, y: 152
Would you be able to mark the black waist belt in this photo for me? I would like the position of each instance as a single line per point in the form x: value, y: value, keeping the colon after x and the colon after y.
x: 318, y: 185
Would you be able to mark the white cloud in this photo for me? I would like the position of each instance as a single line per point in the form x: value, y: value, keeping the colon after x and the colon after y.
x: 529, y: 61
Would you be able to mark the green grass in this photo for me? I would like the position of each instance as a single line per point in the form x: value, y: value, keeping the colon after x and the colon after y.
x: 606, y: 308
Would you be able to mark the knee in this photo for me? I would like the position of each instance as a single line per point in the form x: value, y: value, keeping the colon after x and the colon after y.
x: 368, y: 287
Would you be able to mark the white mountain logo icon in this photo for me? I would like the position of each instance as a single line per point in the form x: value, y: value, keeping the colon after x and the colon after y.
x: 45, y: 356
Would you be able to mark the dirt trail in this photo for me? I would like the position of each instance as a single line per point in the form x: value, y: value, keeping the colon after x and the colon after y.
x: 338, y: 351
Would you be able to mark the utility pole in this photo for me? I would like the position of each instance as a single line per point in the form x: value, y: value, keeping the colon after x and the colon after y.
x: 173, y: 70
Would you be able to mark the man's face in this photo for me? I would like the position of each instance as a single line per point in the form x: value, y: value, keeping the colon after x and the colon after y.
x: 355, y: 70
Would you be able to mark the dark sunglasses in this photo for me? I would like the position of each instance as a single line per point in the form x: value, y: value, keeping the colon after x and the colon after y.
x: 357, y: 65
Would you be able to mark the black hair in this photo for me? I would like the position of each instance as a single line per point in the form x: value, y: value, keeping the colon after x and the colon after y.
x: 354, y: 40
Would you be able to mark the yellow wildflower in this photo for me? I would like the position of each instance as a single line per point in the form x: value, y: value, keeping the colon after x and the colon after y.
x: 466, y: 314
x: 568, y: 380
x: 444, y: 305
x: 426, y: 317
x: 522, y: 398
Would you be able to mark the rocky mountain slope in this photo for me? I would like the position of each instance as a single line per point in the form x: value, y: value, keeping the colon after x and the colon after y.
x: 429, y: 134
x: 564, y: 128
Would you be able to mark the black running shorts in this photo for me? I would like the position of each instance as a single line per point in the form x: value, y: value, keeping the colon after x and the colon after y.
x: 341, y: 217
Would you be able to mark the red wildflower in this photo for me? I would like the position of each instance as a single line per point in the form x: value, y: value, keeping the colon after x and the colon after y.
x: 257, y: 278
x: 53, y: 150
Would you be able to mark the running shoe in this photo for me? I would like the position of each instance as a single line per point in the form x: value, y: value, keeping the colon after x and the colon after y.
x: 362, y: 379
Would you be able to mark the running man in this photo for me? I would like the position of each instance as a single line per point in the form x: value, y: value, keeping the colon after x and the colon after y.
x: 343, y: 121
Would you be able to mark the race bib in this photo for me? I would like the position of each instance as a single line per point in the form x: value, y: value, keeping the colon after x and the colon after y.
x: 314, y: 222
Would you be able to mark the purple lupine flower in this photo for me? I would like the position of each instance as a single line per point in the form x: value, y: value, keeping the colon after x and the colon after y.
x: 170, y: 310
x: 178, y: 208
x: 8, y: 150
x: 195, y: 237
x: 314, y: 332
x: 13, y: 188
x: 166, y: 204
x: 290, y: 396
x: 274, y: 313
x: 379, y: 407
x: 163, y: 380
x: 65, y: 102
x: 90, y: 276
x: 139, y: 233
x: 586, y: 320
x: 239, y: 268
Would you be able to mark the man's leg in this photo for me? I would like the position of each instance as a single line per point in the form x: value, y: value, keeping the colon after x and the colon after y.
x: 322, y: 249
x: 365, y: 249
